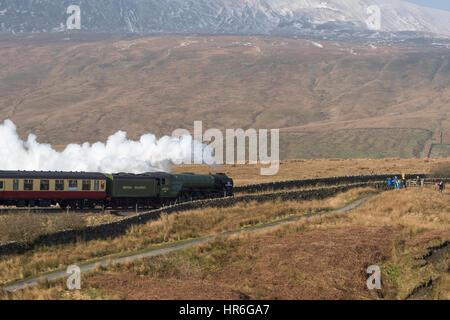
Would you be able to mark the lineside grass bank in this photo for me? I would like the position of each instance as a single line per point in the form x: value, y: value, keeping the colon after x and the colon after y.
x: 27, y: 227
x: 323, y: 257
x: 170, y: 229
x: 310, y: 169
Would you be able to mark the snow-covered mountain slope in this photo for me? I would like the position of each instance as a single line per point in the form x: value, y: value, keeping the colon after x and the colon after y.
x: 395, y: 15
x: 285, y: 17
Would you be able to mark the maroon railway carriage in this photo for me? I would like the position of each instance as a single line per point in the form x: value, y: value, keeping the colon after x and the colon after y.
x: 43, y: 189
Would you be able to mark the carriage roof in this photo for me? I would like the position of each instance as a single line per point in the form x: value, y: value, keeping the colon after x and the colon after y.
x: 50, y: 175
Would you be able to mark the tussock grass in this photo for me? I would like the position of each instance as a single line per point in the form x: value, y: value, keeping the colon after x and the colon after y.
x: 311, y: 169
x: 441, y: 170
x: 424, y: 217
x: 418, y: 210
x: 55, y: 290
x: 166, y: 230
x: 24, y: 227
x: 193, y: 262
x: 420, y: 216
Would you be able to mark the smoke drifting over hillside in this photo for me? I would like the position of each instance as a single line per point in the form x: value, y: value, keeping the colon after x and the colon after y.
x: 118, y: 154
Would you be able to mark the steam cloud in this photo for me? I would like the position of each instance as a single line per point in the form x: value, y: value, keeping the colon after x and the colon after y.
x: 118, y: 154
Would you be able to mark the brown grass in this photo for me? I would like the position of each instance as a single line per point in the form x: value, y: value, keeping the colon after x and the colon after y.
x: 24, y: 227
x: 425, y: 221
x: 167, y: 230
x: 389, y: 102
x: 314, y: 260
x: 418, y: 210
x: 320, y: 258
x: 441, y: 170
x: 321, y: 264
x: 20, y: 227
x: 310, y: 169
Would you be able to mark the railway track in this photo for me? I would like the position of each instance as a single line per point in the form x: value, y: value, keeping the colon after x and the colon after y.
x: 240, y: 191
x: 114, y: 229
x: 267, y: 188
x: 13, y: 210
x: 129, y: 212
x: 117, y: 228
x: 108, y: 231
x: 56, y: 210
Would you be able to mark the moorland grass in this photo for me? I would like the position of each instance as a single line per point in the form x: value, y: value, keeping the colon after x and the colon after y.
x: 169, y: 229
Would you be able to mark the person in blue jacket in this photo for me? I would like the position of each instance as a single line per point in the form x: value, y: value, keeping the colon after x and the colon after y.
x: 389, y: 182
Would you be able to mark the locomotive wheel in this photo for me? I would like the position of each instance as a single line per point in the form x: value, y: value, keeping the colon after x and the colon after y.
x: 64, y: 205
x: 79, y: 205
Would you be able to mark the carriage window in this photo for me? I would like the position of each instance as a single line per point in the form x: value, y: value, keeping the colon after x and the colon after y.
x: 45, y: 185
x: 59, y: 185
x: 73, y: 185
x: 163, y: 182
x: 1, y: 184
x: 15, y: 185
x: 86, y: 185
x: 28, y: 185
x: 96, y: 185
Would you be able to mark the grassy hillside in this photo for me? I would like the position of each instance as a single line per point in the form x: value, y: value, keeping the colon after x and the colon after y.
x: 167, y: 231
x: 343, y: 100
x: 310, y: 169
x: 440, y: 150
x: 319, y: 258
x: 357, y: 143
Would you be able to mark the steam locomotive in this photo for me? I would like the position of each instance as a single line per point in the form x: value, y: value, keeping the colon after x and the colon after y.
x: 82, y: 190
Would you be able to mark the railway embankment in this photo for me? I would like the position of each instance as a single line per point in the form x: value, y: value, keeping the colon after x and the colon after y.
x: 329, y: 187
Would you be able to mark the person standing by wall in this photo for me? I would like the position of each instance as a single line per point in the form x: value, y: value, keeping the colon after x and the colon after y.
x: 389, y: 182
x: 398, y: 183
x: 441, y: 187
x: 403, y: 182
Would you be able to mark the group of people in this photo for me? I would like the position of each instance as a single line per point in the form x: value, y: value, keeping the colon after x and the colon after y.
x: 397, y: 184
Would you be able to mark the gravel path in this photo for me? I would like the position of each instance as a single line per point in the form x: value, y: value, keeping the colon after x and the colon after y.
x: 88, y: 267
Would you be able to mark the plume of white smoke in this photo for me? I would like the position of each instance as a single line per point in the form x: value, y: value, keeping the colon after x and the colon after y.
x: 118, y: 154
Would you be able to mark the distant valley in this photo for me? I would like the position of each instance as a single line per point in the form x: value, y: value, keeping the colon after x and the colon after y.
x: 330, y: 99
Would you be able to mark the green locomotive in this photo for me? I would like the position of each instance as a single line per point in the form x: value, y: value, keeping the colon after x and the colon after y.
x: 157, y: 189
x: 80, y: 190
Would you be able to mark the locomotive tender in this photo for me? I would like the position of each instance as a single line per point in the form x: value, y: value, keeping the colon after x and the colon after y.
x: 80, y: 190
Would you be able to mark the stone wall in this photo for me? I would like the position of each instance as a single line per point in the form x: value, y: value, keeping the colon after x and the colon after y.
x: 111, y: 230
x: 317, y: 182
